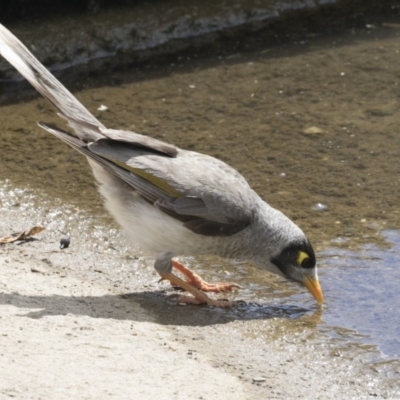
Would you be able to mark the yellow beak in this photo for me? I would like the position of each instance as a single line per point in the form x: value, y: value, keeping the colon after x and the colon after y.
x: 315, y: 289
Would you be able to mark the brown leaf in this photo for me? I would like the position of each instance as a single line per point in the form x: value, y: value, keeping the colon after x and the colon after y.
x: 22, y: 235
x: 10, y: 239
x: 35, y: 230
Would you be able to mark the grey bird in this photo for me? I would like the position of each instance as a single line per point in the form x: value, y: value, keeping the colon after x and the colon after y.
x: 171, y: 201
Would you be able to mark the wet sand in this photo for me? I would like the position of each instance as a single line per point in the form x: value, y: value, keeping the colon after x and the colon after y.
x: 252, y: 107
x: 91, y: 321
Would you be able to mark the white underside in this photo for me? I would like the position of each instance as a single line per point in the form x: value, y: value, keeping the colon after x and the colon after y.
x: 146, y: 226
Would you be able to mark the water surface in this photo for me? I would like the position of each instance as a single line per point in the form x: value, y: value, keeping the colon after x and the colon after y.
x: 362, y: 291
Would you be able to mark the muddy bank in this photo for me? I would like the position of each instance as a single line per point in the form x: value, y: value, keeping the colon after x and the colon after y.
x: 253, y: 109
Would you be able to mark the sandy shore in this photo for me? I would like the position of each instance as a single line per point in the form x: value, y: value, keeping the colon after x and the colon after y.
x: 54, y: 347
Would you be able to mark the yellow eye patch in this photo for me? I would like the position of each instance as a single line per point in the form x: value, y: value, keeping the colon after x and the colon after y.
x: 301, y: 257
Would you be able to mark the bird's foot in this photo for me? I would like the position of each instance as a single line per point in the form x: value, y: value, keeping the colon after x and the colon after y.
x: 196, y: 281
x: 197, y: 297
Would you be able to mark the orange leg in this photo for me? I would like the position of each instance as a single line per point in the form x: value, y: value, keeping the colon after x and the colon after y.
x: 195, y: 280
x: 198, y: 296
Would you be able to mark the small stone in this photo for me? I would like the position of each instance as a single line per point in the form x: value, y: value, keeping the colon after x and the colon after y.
x: 65, y: 242
x: 258, y: 379
x: 313, y: 130
x: 39, y: 270
x: 320, y: 207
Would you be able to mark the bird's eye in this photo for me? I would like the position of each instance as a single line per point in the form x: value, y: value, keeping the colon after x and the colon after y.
x: 304, y: 260
x: 307, y: 263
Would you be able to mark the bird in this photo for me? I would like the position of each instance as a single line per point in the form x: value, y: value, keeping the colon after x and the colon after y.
x: 173, y: 202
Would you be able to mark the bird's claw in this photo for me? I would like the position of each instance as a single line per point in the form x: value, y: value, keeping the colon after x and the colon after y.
x: 196, y: 281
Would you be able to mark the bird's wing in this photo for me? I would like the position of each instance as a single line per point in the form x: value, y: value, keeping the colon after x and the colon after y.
x: 207, y: 195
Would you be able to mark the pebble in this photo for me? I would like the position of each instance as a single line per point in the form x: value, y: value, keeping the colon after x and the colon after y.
x: 39, y: 270
x: 65, y: 242
x: 313, y: 130
x: 320, y: 207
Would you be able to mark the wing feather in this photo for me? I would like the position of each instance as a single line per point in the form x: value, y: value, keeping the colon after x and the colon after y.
x: 213, y: 211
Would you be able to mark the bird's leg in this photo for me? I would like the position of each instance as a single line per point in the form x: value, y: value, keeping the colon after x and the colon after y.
x: 164, y: 266
x: 197, y: 297
x: 199, y: 283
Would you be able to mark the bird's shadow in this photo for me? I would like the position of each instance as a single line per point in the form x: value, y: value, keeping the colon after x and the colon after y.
x: 147, y: 306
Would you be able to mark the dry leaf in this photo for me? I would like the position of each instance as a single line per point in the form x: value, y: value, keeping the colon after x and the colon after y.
x: 35, y: 230
x: 22, y: 235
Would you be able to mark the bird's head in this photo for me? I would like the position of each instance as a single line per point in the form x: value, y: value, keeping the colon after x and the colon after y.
x: 297, y: 261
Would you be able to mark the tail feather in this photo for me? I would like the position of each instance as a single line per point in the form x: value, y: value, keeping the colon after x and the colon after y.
x: 82, y: 148
x: 84, y: 124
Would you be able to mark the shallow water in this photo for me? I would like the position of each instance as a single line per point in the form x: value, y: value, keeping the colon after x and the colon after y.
x: 252, y: 106
x: 362, y: 292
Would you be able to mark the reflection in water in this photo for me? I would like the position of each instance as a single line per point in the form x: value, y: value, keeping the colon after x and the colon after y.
x: 362, y: 293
